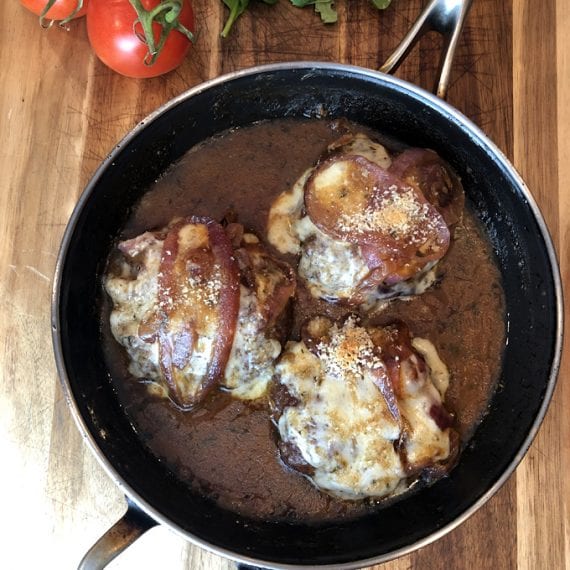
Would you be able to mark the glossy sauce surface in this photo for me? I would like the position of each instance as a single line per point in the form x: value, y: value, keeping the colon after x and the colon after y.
x: 226, y: 448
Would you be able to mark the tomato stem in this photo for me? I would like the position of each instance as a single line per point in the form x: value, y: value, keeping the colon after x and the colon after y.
x: 166, y: 14
x: 63, y: 22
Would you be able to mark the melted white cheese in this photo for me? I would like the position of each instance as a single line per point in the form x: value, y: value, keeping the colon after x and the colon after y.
x: 415, y: 285
x: 134, y: 299
x: 425, y: 441
x: 284, y: 212
x: 438, y: 369
x: 251, y: 363
x: 342, y: 426
x: 331, y: 268
x: 361, y: 145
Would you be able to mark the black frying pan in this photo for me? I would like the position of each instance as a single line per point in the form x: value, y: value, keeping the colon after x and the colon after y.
x: 496, y: 194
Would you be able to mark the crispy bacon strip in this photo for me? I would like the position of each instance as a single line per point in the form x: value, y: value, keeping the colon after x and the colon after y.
x: 441, y: 416
x: 382, y: 381
x: 425, y: 170
x: 355, y: 200
x: 198, y: 296
x: 395, y: 344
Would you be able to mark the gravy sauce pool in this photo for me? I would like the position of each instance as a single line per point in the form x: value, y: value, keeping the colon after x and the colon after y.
x: 226, y: 448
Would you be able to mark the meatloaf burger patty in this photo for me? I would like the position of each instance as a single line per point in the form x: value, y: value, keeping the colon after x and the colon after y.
x: 194, y: 310
x: 359, y: 411
x: 368, y: 226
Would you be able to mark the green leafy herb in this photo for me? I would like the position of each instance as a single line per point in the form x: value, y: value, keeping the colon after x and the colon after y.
x: 323, y: 7
x: 381, y: 4
x: 237, y: 8
x: 327, y: 10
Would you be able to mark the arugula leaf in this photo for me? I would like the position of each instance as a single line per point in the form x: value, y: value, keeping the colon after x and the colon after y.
x: 327, y: 10
x: 323, y: 7
x: 237, y: 8
x: 381, y: 4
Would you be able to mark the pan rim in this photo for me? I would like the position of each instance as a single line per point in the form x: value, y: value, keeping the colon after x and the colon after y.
x: 310, y: 67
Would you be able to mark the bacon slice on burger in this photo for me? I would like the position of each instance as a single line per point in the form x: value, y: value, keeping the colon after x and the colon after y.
x: 198, y: 302
x: 424, y: 169
x: 356, y: 201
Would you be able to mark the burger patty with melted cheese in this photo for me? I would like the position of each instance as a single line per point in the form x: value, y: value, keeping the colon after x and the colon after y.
x: 205, y: 325
x: 359, y: 411
x: 367, y: 227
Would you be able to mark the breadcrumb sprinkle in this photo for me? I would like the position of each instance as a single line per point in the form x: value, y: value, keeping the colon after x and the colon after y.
x: 398, y: 214
x: 350, y: 351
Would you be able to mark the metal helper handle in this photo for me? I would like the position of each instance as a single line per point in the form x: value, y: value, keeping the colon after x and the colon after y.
x: 445, y: 17
x: 133, y: 524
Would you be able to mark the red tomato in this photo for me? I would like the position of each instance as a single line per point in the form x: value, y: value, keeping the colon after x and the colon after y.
x: 59, y: 11
x: 118, y: 45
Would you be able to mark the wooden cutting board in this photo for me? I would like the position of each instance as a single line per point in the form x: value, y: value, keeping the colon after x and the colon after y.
x: 62, y: 111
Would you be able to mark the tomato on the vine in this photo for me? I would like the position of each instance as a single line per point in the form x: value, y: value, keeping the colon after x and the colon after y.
x: 120, y: 44
x: 61, y: 9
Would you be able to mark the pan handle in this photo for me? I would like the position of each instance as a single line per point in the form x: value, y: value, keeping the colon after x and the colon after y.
x: 123, y: 533
x: 445, y: 17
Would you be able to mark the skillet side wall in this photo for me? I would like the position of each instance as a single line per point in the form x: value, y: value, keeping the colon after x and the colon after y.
x: 389, y: 107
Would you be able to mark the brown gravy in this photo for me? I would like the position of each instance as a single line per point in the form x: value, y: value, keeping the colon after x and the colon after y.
x: 226, y: 447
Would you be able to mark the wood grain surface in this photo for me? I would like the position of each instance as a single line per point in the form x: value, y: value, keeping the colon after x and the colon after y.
x: 62, y: 111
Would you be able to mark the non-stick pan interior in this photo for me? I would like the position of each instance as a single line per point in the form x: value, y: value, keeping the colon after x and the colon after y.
x: 494, y: 192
